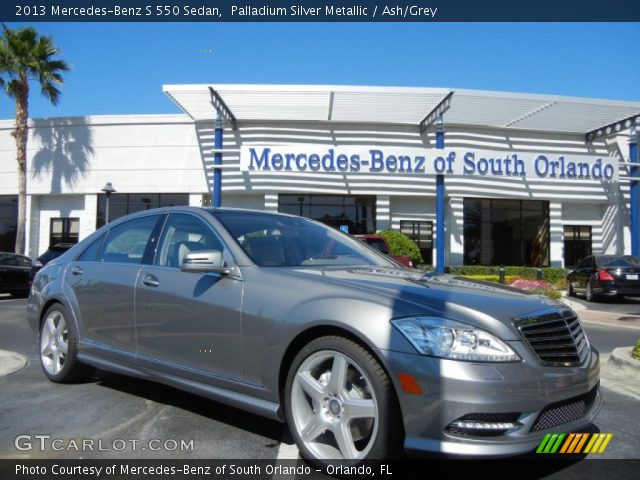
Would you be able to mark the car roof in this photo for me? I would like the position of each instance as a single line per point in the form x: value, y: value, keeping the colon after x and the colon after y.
x: 193, y: 209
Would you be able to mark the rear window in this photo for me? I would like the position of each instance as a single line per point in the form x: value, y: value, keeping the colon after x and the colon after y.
x: 613, y: 261
x: 126, y: 242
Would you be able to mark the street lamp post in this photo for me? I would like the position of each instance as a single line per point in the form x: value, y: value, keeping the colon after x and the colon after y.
x: 108, y: 190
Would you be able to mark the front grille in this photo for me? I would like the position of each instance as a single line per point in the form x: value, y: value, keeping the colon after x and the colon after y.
x: 556, y: 337
x: 565, y: 412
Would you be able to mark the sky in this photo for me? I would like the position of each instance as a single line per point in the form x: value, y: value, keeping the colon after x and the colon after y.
x: 119, y: 68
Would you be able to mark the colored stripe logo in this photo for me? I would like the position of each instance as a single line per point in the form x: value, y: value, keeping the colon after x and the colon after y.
x: 574, y: 443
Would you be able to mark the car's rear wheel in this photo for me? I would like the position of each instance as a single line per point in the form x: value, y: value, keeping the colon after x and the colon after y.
x: 59, y: 348
x: 589, y: 295
x: 570, y: 291
x: 340, y: 403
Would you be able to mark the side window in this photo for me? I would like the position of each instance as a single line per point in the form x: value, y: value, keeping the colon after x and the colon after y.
x: 183, y: 234
x: 91, y: 252
x: 127, y: 242
x: 584, y: 263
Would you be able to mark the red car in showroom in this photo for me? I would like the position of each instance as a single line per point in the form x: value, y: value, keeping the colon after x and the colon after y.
x: 381, y: 244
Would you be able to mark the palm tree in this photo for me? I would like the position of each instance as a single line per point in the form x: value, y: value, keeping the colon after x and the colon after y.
x: 25, y: 56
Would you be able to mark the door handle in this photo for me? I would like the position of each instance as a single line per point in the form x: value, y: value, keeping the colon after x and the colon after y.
x: 77, y: 271
x: 150, y: 281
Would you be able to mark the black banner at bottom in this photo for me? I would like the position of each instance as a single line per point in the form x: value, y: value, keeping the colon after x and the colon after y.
x: 298, y: 469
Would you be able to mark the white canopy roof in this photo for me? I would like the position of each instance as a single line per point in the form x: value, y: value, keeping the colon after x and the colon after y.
x: 402, y: 105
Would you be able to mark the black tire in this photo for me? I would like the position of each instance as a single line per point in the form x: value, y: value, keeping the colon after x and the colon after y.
x: 570, y: 291
x: 387, y: 440
x: 72, y: 370
x: 589, y: 295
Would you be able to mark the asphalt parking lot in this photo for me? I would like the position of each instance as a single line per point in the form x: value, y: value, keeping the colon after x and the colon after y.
x: 115, y: 407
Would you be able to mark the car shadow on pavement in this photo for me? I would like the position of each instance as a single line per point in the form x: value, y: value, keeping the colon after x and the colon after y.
x: 198, y: 405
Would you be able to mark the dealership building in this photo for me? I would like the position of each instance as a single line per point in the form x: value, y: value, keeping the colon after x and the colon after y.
x: 475, y: 177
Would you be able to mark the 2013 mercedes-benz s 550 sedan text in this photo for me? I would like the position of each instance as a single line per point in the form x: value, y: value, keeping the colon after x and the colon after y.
x: 304, y: 324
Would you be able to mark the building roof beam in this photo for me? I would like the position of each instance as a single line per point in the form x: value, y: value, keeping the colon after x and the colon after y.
x: 613, y: 128
x: 436, y: 112
x: 221, y: 107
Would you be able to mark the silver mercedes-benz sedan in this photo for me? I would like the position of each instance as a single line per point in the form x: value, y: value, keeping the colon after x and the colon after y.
x: 288, y: 318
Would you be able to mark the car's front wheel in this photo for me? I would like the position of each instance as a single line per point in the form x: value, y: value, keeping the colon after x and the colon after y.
x: 340, y: 403
x: 59, y: 348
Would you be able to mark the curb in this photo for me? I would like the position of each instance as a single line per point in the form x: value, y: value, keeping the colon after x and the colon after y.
x: 575, y: 306
x: 580, y: 308
x: 11, y: 362
x: 621, y: 363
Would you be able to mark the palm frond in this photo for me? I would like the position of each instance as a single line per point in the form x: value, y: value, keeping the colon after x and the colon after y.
x: 25, y: 55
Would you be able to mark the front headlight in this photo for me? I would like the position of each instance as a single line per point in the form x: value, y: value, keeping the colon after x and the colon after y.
x: 444, y: 338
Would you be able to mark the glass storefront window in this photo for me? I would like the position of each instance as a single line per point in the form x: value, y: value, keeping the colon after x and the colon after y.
x: 358, y: 212
x: 64, y: 230
x: 8, y: 222
x: 420, y: 232
x: 577, y: 244
x: 121, y: 204
x: 506, y: 232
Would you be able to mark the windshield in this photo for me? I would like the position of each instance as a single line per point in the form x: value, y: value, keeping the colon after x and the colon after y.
x: 283, y: 241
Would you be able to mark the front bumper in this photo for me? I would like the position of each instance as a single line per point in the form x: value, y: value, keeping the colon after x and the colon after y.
x: 455, y: 389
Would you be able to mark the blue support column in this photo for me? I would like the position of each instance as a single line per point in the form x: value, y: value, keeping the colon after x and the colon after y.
x: 635, y: 174
x: 440, y: 213
x: 217, y: 161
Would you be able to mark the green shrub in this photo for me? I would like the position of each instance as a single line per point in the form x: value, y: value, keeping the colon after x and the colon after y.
x: 426, y: 267
x: 491, y: 278
x: 549, y: 274
x: 635, y: 353
x: 400, y: 244
x: 552, y: 293
x: 484, y: 278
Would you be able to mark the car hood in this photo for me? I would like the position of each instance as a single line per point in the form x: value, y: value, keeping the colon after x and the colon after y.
x: 486, y: 305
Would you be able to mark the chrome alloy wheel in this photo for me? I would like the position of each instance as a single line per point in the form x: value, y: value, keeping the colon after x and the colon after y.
x: 54, y: 342
x: 333, y: 406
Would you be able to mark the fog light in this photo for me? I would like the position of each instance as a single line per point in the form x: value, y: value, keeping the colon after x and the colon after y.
x: 485, y: 424
x: 467, y: 425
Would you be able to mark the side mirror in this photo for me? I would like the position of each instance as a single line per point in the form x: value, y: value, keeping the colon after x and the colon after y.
x: 204, y: 261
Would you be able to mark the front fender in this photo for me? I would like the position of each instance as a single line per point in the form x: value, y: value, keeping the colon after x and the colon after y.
x: 365, y: 320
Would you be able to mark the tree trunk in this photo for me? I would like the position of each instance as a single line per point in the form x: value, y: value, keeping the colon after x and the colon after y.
x: 21, y: 135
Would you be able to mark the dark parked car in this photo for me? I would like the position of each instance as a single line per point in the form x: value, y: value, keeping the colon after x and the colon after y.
x: 15, y: 274
x: 381, y: 244
x: 54, y: 251
x: 599, y: 276
x: 288, y: 318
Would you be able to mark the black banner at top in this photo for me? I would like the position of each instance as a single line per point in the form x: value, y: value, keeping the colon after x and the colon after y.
x: 319, y: 11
